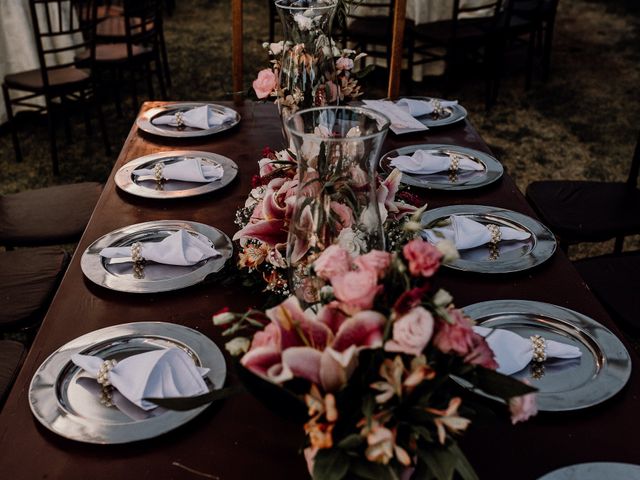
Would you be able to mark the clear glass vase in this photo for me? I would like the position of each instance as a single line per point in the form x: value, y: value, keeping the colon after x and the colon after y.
x: 336, y: 201
x: 307, y: 67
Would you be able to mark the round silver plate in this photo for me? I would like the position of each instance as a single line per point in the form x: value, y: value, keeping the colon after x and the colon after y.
x: 444, y: 180
x: 509, y: 256
x: 595, y: 471
x: 119, y: 274
x: 62, y: 400
x: 602, y: 370
x: 452, y: 114
x: 144, y: 121
x: 148, y: 187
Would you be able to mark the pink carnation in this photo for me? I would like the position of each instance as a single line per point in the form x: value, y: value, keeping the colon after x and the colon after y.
x: 411, y: 333
x: 357, y: 289
x: 375, y: 260
x: 457, y: 337
x: 481, y: 353
x: 335, y: 260
x: 265, y: 83
x: 424, y: 258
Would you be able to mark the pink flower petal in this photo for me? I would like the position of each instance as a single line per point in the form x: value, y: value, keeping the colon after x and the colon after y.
x: 364, y: 329
x: 270, y: 232
x: 260, y: 359
x: 304, y: 362
x: 295, y: 324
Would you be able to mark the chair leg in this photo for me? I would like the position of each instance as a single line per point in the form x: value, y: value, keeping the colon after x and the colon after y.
x: 165, y: 59
x: 85, y: 112
x: 163, y: 90
x: 52, y: 136
x: 147, y: 74
x: 12, y: 123
x: 64, y: 103
x: 530, y: 52
x: 548, y: 41
x: 134, y: 91
x: 617, y: 248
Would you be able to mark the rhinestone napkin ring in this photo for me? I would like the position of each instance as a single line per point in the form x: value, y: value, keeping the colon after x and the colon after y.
x: 455, y: 162
x: 180, y: 119
x: 539, y: 348
x: 157, y: 171
x: 103, y: 373
x: 496, y: 234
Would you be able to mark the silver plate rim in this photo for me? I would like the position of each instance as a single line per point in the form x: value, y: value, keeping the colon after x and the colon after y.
x: 143, y: 122
x: 493, y: 168
x: 92, y: 266
x: 458, y: 113
x: 61, y: 422
x: 585, y: 471
x: 126, y: 183
x: 544, y: 241
x: 615, y: 371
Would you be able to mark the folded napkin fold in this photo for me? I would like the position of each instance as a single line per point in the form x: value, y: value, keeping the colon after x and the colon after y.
x: 179, y: 248
x: 466, y: 233
x: 191, y: 169
x: 155, y: 374
x: 419, y: 108
x: 513, y: 353
x: 200, y: 117
x: 425, y: 162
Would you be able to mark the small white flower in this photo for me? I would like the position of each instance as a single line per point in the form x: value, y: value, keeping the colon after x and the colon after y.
x: 353, y: 242
x: 223, y: 318
x: 449, y: 250
x: 442, y: 298
x: 237, y: 346
x: 304, y: 23
x: 276, y: 48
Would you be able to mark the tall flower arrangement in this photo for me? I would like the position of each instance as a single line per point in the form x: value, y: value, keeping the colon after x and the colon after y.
x: 373, y: 365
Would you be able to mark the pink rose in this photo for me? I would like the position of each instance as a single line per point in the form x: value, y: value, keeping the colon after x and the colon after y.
x: 357, y: 289
x: 411, y: 333
x: 523, y: 407
x: 455, y: 337
x: 481, y: 353
x: 375, y: 260
x: 333, y: 261
x: 265, y: 83
x: 424, y: 258
x: 344, y: 63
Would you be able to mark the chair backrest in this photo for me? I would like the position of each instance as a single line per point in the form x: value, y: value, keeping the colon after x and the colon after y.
x: 530, y: 10
x: 142, y: 23
x: 361, y: 10
x: 632, y: 181
x: 62, y: 29
x: 469, y: 10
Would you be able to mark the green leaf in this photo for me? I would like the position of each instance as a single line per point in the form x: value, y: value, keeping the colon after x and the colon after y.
x: 189, y: 403
x: 351, y: 441
x: 422, y: 432
x: 439, y: 460
x: 503, y: 386
x: 371, y: 471
x: 463, y: 466
x: 330, y: 464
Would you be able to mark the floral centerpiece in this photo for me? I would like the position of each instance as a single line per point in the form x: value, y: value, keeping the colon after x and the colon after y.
x: 264, y: 219
x: 373, y: 364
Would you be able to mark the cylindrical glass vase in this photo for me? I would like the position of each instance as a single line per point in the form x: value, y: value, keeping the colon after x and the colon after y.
x: 336, y: 202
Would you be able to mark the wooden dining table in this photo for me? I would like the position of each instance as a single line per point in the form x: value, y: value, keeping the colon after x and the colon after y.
x: 239, y: 438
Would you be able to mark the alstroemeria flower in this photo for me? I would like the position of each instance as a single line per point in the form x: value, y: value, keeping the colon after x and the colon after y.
x: 449, y: 420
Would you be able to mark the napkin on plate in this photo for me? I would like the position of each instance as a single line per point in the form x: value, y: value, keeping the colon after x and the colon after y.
x: 420, y: 108
x: 203, y: 117
x: 191, y: 169
x: 466, y: 233
x: 155, y: 374
x: 401, y: 120
x: 179, y: 248
x: 513, y: 353
x: 425, y: 162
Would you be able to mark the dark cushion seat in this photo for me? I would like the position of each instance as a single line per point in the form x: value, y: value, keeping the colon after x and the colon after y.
x: 28, y: 280
x: 578, y: 211
x: 11, y: 355
x: 47, y: 216
x: 113, y: 52
x: 615, y: 280
x: 31, y: 80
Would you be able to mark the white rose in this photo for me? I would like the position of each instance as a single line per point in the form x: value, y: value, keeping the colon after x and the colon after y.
x: 448, y: 250
x: 276, y: 48
x: 238, y: 346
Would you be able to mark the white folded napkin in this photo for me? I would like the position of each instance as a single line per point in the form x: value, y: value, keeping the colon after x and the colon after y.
x: 155, y: 374
x: 466, y: 233
x: 179, y: 248
x: 191, y: 169
x: 401, y: 120
x: 419, y: 108
x: 513, y: 353
x: 200, y: 117
x: 424, y: 162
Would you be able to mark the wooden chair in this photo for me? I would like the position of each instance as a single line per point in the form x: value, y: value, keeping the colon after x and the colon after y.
x: 136, y: 46
x: 586, y: 211
x: 58, y: 33
x: 470, y: 34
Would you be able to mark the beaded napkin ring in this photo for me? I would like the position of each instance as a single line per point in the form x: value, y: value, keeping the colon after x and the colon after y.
x: 180, y: 120
x: 438, y: 111
x: 103, y: 373
x: 539, y: 348
x: 136, y: 252
x: 496, y: 234
x: 158, y: 169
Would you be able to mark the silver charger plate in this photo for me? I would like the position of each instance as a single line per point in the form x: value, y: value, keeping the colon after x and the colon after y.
x: 510, y: 256
x: 150, y: 188
x: 563, y: 385
x: 61, y: 400
x: 452, y: 114
x: 144, y: 121
x: 493, y: 169
x: 595, y: 471
x: 117, y: 274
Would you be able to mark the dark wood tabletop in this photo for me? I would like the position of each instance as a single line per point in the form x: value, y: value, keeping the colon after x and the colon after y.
x: 240, y: 438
